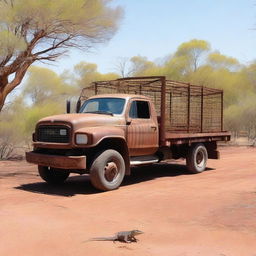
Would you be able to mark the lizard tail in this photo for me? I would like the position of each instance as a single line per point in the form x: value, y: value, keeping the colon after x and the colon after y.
x: 101, y: 239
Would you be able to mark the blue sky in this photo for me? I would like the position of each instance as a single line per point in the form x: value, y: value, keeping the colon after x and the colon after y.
x: 155, y: 28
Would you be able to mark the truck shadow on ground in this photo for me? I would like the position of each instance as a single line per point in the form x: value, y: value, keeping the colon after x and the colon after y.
x: 81, y: 184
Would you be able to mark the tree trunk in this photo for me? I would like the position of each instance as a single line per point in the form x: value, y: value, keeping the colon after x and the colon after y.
x: 1, y: 103
x: 6, y: 87
x: 3, y: 94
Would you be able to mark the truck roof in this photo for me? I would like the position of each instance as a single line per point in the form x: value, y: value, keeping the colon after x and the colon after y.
x: 119, y: 95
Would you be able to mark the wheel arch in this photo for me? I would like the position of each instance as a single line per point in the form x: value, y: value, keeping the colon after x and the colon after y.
x: 181, y: 151
x: 116, y: 143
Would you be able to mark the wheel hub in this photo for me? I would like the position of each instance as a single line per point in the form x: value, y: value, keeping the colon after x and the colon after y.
x: 111, y: 171
x: 199, y: 157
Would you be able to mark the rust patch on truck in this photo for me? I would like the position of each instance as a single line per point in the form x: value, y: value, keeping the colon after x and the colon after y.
x: 55, y: 161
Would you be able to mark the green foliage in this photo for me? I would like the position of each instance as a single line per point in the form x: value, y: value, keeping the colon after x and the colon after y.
x: 44, y: 85
x: 91, y: 20
x: 86, y: 73
x: 11, y: 129
x: 35, y: 113
x: 193, y: 48
x: 192, y: 51
x: 177, y: 67
x: 44, y: 94
x: 142, y: 66
x: 242, y: 115
x: 10, y: 43
x: 218, y: 60
x: 18, y: 124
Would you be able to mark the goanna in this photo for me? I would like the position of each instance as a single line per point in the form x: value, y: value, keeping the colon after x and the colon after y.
x: 123, y: 236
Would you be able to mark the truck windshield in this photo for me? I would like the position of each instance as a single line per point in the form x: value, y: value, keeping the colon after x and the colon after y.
x: 103, y: 106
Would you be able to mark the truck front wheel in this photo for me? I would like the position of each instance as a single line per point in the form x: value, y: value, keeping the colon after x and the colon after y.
x: 52, y: 175
x: 107, y: 170
x: 197, y: 158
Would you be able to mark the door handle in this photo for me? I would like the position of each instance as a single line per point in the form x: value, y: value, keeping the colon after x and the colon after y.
x: 153, y: 128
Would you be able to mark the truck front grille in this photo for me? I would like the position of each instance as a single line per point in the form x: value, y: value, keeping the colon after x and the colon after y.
x: 53, y: 133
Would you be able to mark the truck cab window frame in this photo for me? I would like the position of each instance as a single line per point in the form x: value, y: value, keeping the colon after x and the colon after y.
x: 139, y: 109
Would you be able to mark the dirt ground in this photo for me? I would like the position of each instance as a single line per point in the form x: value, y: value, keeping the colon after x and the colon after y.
x: 213, y: 213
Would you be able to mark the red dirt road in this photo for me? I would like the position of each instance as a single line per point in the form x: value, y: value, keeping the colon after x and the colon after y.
x: 209, y: 214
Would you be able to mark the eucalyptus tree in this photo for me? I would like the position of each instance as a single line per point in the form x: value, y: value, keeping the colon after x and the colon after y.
x: 43, y: 30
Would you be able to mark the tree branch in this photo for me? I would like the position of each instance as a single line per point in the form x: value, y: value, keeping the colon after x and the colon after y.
x: 18, y: 76
x: 54, y: 46
x: 25, y: 55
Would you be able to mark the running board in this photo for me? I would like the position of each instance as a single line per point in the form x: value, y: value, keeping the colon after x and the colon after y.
x: 143, y: 160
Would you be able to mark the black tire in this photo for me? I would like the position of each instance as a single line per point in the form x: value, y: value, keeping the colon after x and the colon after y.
x: 107, y: 170
x: 53, y: 175
x: 197, y: 158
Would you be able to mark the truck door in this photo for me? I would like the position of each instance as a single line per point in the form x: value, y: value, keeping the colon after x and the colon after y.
x: 142, y: 129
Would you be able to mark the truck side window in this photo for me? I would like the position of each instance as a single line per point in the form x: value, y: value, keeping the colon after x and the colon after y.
x: 139, y: 109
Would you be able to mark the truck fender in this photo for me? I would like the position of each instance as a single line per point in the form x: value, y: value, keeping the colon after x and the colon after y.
x: 116, y: 143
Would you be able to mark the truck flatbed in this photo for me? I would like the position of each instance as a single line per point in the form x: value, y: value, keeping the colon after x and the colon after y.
x: 181, y: 138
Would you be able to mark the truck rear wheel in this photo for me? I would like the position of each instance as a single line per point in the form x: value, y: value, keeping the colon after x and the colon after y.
x: 53, y: 175
x: 197, y: 158
x: 107, y: 170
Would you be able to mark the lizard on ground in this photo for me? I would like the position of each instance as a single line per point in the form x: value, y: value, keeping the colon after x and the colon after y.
x: 123, y: 236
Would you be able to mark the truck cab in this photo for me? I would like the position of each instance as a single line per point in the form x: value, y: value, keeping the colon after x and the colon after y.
x: 110, y: 128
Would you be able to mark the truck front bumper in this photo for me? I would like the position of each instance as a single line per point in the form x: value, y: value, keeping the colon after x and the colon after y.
x: 56, y: 161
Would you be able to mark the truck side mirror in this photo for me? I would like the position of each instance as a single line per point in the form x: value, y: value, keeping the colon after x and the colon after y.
x: 68, y: 104
x: 78, y: 105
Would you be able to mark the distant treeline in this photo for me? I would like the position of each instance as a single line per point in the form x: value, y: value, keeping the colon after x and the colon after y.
x: 45, y: 92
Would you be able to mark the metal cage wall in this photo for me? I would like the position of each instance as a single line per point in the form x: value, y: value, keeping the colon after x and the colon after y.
x: 188, y: 108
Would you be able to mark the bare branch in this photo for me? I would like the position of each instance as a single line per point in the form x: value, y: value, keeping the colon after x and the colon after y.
x: 54, y: 46
x: 6, y: 59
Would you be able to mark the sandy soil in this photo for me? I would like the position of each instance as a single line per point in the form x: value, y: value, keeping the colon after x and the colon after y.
x: 213, y: 213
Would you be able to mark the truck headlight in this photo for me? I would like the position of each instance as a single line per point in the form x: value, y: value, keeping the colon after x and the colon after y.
x: 81, y: 138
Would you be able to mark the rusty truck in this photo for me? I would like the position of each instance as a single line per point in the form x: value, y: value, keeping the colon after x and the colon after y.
x: 129, y: 122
